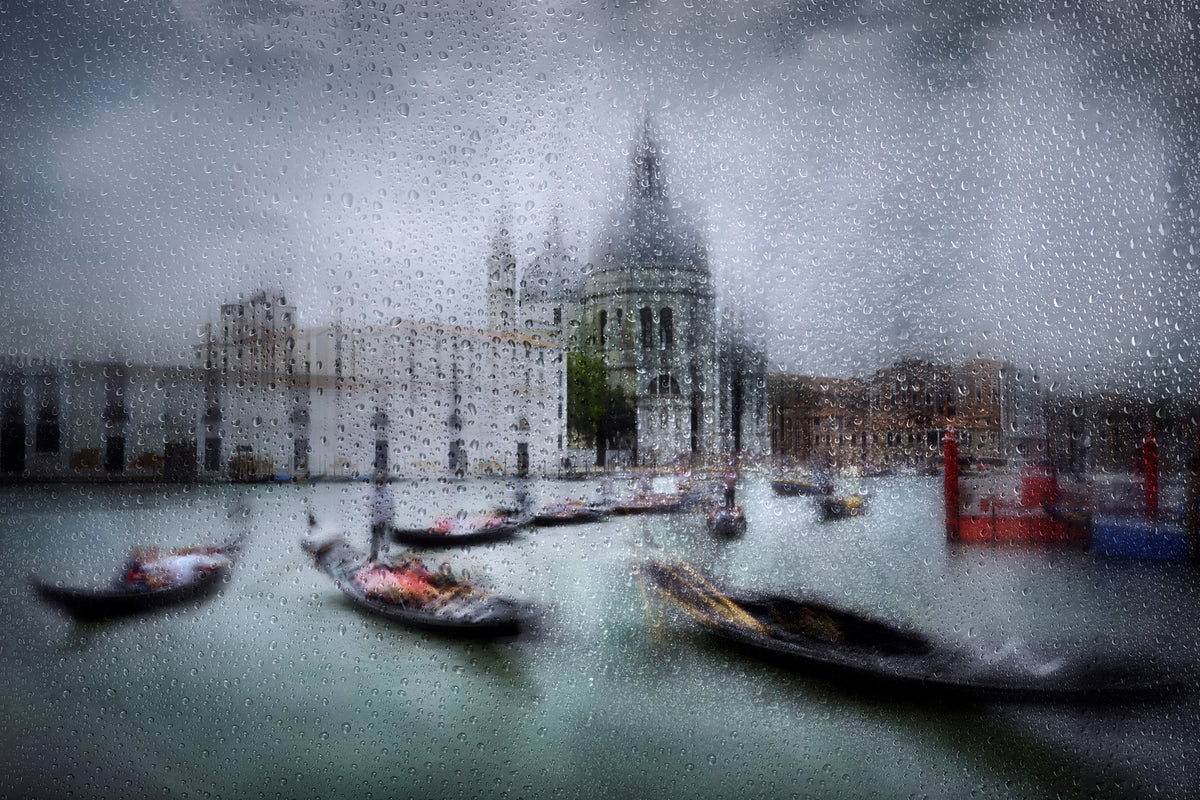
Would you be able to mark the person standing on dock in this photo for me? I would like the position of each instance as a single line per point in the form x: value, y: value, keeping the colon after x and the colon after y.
x: 730, y: 485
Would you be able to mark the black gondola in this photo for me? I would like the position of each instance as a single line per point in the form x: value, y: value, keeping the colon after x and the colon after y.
x: 650, y: 504
x: 567, y: 514
x: 726, y: 521
x: 434, y: 537
x: 793, y: 487
x: 469, y: 612
x: 862, y: 652
x: 122, y: 599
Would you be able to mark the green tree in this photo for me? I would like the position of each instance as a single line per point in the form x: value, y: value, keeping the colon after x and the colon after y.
x: 587, y: 384
x: 600, y: 414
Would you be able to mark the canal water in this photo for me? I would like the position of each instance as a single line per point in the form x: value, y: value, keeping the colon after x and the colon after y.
x: 277, y: 687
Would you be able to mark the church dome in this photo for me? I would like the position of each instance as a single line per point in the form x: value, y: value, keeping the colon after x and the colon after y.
x: 651, y: 230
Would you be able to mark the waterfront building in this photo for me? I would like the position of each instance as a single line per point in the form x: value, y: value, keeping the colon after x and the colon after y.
x: 1103, y: 431
x: 266, y: 398
x: 911, y: 403
x: 404, y: 398
x: 257, y: 331
x: 818, y: 421
x: 417, y: 397
x: 896, y: 419
x: 78, y: 419
x: 995, y: 411
x: 30, y: 391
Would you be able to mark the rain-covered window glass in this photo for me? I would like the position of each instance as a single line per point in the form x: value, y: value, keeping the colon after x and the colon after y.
x: 673, y: 399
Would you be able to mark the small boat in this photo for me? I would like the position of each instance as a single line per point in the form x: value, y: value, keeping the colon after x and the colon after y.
x: 453, y: 532
x: 410, y: 595
x: 568, y: 513
x: 843, y: 506
x: 650, y: 503
x: 726, y: 521
x: 146, y: 584
x: 793, y: 487
x: 863, y: 652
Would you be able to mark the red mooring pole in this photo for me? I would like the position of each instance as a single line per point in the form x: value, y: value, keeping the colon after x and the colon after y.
x: 950, y: 453
x: 1150, y: 473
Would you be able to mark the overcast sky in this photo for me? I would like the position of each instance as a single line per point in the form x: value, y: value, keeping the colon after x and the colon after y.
x: 878, y: 180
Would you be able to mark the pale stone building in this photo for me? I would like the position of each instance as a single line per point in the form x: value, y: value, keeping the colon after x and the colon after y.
x: 415, y: 397
x: 78, y: 419
x: 267, y: 399
x: 405, y: 398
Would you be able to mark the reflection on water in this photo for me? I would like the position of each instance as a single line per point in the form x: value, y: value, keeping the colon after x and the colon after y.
x: 279, y: 687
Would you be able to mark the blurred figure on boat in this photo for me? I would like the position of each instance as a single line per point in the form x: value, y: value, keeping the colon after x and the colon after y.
x: 522, y: 498
x: 410, y: 583
x: 147, y: 569
x: 382, y: 513
x: 731, y: 477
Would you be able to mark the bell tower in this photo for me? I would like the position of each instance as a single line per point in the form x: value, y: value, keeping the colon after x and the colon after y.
x: 502, y: 282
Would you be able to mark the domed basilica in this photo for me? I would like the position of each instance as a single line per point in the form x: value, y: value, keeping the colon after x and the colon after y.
x: 646, y: 305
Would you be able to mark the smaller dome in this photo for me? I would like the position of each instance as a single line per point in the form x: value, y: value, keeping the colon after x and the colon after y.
x: 554, y: 274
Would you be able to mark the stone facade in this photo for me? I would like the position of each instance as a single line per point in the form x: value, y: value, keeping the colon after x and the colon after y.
x: 415, y: 397
x: 266, y: 398
x: 100, y: 419
x: 404, y: 398
x: 895, y: 420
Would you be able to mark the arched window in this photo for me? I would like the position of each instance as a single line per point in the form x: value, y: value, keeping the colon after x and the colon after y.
x: 647, y: 327
x: 666, y: 329
x: 602, y: 324
x: 663, y: 384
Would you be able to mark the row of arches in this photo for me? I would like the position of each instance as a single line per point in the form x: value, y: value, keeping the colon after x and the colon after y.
x: 650, y: 334
x: 663, y: 384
